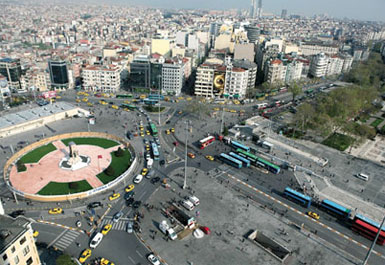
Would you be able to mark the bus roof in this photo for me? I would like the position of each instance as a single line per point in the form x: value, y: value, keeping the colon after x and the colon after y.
x: 206, y: 139
x: 268, y: 163
x: 369, y: 221
x: 231, y: 158
x: 337, y: 206
x: 298, y: 194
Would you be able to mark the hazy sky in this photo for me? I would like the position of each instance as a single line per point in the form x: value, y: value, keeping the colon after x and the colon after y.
x: 358, y: 9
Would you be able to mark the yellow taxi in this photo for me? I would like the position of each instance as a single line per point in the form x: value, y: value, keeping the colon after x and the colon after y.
x: 172, y: 130
x: 142, y: 96
x: 126, y: 109
x: 176, y: 101
x: 236, y: 102
x: 233, y: 111
x: 55, y: 211
x: 144, y: 172
x: 211, y: 158
x: 58, y: 97
x: 148, y: 132
x: 85, y: 94
x: 102, y: 102
x: 181, y: 98
x: 127, y: 101
x: 189, y: 99
x: 130, y: 187
x: 89, y: 104
x: 106, y: 229
x: 147, y: 148
x: 141, y: 127
x: 313, y: 215
x: 242, y: 111
x: 222, y: 103
x: 142, y: 134
x: 85, y: 99
x: 35, y: 233
x: 180, y: 112
x: 78, y: 101
x: 85, y: 255
x: 104, y: 261
x: 167, y: 131
x: 191, y: 155
x: 114, y: 107
x: 114, y: 196
x: 216, y: 109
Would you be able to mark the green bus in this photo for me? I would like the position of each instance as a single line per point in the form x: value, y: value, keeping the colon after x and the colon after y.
x: 124, y: 96
x: 251, y: 157
x: 130, y: 107
x: 153, y: 129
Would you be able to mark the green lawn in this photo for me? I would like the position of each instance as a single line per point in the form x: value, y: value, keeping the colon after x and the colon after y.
x: 376, y: 122
x: 35, y: 155
x: 153, y: 109
x: 338, y: 141
x: 119, y: 164
x: 56, y: 188
x: 104, y: 143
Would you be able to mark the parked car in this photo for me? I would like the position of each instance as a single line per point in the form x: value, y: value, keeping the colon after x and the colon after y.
x: 153, y: 260
x: 188, y: 205
x: 205, y: 230
x: 130, y: 227
x: 194, y: 200
x: 138, y: 179
x: 95, y: 205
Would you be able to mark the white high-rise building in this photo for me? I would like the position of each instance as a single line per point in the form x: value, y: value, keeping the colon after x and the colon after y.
x: 293, y: 71
x: 335, y: 64
x: 275, y: 71
x: 173, y: 76
x: 236, y: 82
x: 318, y: 65
x: 204, y: 81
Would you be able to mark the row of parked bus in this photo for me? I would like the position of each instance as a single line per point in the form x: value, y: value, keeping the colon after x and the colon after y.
x: 357, y: 222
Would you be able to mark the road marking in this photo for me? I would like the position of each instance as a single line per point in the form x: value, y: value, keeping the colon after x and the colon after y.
x: 53, y: 241
x: 139, y: 253
x: 133, y: 262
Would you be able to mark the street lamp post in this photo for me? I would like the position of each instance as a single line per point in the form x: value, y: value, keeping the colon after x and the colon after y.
x: 185, y: 157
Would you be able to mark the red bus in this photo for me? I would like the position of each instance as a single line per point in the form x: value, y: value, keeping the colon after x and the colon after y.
x: 206, y: 141
x: 368, y: 231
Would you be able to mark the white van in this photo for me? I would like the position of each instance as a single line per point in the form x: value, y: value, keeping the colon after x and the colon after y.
x: 188, y: 205
x: 95, y: 241
x: 194, y: 200
x: 362, y: 176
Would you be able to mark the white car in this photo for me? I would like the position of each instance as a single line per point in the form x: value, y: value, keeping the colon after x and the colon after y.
x: 154, y: 260
x: 95, y: 241
x: 194, y: 200
x: 188, y: 205
x: 130, y: 227
x: 138, y: 179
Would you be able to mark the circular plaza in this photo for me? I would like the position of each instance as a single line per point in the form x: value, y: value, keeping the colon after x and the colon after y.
x: 69, y: 166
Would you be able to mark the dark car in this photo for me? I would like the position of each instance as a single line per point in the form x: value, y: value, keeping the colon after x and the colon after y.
x: 130, y: 136
x: 15, y: 214
x: 162, y: 162
x: 167, y: 122
x: 129, y: 195
x: 155, y: 180
x: 136, y: 204
x: 130, y: 202
x: 95, y: 204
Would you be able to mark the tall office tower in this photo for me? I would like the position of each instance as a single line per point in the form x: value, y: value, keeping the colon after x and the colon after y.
x: 11, y: 69
x: 253, y: 9
x: 58, y: 73
x: 284, y: 13
x: 259, y: 13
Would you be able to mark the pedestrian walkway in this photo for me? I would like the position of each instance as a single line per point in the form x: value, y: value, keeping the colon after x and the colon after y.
x: 121, y: 225
x: 64, y: 241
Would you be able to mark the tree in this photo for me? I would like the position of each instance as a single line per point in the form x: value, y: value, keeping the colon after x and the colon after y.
x: 20, y: 166
x: 110, y: 171
x: 225, y: 131
x: 73, y: 185
x: 295, y: 89
x: 266, y: 87
x: 119, y: 152
x: 64, y: 259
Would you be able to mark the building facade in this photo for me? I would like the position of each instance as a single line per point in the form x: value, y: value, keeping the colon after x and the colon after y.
x: 173, y: 76
x: 58, y: 74
x: 18, y: 245
x: 11, y: 69
x: 318, y: 65
x: 102, y: 78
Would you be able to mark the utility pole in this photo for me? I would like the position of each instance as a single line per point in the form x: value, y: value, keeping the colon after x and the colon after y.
x: 159, y: 89
x: 223, y: 113
x: 185, y: 157
x: 373, y: 243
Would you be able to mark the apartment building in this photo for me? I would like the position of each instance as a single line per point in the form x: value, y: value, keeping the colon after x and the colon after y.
x: 102, y: 78
x: 36, y: 79
x: 275, y: 71
x: 314, y: 48
x: 236, y: 81
x: 173, y: 76
x: 11, y: 69
x: 17, y: 242
x: 318, y: 65
x: 204, y: 81
x: 335, y: 64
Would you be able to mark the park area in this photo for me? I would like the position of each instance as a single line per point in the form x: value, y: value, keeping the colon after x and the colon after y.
x: 338, y: 141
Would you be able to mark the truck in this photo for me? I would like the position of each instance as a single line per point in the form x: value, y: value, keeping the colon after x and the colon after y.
x: 167, y: 230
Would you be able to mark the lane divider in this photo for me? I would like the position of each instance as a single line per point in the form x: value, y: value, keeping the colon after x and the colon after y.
x: 62, y: 226
x: 304, y: 215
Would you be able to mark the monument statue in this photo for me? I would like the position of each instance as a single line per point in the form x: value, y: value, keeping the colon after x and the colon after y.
x: 73, y: 160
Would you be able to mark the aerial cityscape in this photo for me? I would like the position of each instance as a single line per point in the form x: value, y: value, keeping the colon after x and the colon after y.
x: 192, y: 132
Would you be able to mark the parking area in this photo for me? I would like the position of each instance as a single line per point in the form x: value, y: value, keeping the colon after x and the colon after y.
x: 231, y: 217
